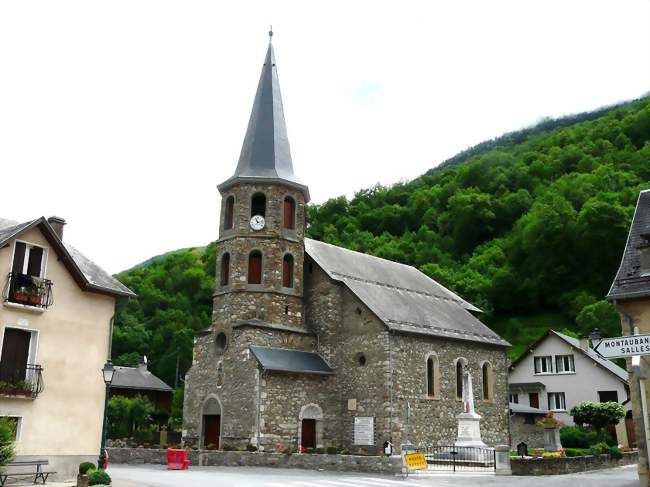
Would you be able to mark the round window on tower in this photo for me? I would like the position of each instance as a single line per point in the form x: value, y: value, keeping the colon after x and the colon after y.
x: 221, y: 342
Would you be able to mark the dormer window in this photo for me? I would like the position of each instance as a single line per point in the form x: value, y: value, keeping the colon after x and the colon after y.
x: 27, y: 284
x: 644, y: 255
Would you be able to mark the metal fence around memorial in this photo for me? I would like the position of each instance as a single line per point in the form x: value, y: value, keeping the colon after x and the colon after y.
x: 459, y: 458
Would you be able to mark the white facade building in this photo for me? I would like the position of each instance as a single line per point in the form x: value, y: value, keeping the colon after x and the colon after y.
x: 558, y: 372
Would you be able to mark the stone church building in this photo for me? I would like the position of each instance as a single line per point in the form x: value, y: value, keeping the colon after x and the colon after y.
x: 314, y: 345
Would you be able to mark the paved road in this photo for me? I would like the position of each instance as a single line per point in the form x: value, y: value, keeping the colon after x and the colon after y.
x: 158, y: 476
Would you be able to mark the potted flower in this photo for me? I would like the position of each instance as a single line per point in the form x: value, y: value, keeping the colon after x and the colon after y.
x: 21, y: 295
x: 551, y: 427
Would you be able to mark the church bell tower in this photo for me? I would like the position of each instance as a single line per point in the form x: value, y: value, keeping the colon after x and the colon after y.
x: 260, y: 250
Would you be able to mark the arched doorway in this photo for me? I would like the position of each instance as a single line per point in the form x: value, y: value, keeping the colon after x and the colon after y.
x: 311, y: 426
x: 211, y: 430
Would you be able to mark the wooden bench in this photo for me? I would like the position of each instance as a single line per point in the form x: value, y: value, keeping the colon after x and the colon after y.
x: 38, y: 475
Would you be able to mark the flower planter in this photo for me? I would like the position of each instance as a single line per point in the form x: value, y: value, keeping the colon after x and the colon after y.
x: 552, y: 440
x: 35, y: 300
x: 21, y: 298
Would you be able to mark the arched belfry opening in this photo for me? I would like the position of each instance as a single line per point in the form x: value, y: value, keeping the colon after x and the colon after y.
x: 211, y: 421
x: 310, y: 426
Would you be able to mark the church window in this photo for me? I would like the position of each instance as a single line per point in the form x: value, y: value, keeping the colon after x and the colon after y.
x: 289, y: 213
x: 221, y: 342
x: 433, y: 376
x: 358, y: 311
x: 229, y: 216
x: 286, y: 310
x: 255, y: 267
x: 459, y: 379
x: 488, y: 388
x: 258, y: 205
x: 361, y: 359
x: 225, y: 269
x: 220, y: 375
x: 287, y: 271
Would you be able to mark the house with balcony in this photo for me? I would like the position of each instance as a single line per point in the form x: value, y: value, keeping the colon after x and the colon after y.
x: 558, y: 372
x: 56, y: 316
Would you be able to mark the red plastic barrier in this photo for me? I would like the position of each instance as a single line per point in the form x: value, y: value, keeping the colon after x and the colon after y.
x: 177, y: 459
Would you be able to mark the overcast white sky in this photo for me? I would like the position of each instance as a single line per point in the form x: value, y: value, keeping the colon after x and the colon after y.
x: 123, y: 116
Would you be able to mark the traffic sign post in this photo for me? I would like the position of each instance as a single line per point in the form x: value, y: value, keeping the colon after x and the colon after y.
x: 623, y: 347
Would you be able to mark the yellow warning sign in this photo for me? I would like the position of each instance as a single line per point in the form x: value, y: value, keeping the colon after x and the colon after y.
x: 415, y: 461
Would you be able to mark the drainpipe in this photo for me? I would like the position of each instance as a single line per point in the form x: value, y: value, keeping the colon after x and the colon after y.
x: 390, y: 384
x: 110, y: 336
x: 259, y: 404
x: 641, y: 385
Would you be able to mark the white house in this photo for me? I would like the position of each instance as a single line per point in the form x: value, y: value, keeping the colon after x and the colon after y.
x: 558, y: 372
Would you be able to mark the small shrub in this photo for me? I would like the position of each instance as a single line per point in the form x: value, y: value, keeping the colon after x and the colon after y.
x: 85, y: 467
x: 99, y: 477
x: 320, y: 450
x: 288, y: 451
x: 576, y: 452
x: 227, y: 447
x: 345, y: 451
x: 615, y: 452
x: 251, y: 447
x: 332, y: 450
x: 602, y: 448
x: 553, y: 454
x: 577, y: 437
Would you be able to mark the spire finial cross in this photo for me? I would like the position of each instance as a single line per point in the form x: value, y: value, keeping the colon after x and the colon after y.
x: 271, y: 34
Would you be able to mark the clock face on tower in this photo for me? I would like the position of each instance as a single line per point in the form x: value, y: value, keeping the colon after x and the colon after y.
x: 257, y: 222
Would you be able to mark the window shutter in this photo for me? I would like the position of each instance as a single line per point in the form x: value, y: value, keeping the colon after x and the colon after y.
x: 287, y: 271
x: 230, y: 204
x: 255, y: 268
x: 35, y: 261
x: 19, y: 258
x: 289, y: 213
x: 225, y: 269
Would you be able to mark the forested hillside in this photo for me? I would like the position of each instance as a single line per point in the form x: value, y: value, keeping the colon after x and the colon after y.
x: 529, y: 227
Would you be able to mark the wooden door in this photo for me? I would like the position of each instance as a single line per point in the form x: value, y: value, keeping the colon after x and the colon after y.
x: 15, y: 352
x: 211, y: 430
x: 308, y: 439
x: 533, y: 398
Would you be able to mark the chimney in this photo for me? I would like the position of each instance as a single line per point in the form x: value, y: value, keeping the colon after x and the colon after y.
x: 57, y: 223
x: 143, y: 363
x: 584, y: 343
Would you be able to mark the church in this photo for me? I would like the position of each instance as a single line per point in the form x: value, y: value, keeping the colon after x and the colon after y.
x: 313, y: 345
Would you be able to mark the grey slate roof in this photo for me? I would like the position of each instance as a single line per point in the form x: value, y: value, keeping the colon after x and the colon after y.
x: 137, y: 378
x: 90, y: 274
x: 610, y: 366
x: 520, y: 408
x: 629, y: 283
x: 284, y: 360
x: 401, y: 296
x: 265, y: 154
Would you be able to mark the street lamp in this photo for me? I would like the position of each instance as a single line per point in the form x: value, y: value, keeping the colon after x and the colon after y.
x: 107, y: 373
x: 595, y: 336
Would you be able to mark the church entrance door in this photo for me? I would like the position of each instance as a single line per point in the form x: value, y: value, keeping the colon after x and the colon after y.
x: 211, y: 429
x: 308, y: 439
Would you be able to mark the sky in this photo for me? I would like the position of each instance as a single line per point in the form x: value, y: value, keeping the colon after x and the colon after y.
x: 123, y: 116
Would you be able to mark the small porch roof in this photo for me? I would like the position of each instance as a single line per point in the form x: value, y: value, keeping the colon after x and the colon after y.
x: 284, y: 360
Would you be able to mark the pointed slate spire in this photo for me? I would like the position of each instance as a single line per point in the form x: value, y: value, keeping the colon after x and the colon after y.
x: 265, y: 154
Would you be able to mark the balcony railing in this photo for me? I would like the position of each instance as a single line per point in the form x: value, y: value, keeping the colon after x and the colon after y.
x: 28, y: 290
x: 25, y: 381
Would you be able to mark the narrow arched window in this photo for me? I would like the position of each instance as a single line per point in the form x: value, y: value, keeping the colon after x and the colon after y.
x: 255, y: 267
x: 459, y: 379
x: 225, y: 269
x: 289, y: 213
x: 287, y: 271
x: 487, y: 381
x: 258, y: 205
x: 431, y: 377
x: 230, y: 211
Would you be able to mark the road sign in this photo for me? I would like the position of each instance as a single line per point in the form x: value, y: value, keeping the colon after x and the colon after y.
x: 621, y: 347
x: 415, y: 461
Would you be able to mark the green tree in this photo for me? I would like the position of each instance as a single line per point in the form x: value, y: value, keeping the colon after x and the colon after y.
x: 7, y: 441
x: 597, y: 415
x: 601, y: 315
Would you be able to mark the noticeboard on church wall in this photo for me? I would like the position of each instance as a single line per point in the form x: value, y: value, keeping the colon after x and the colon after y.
x: 364, y: 430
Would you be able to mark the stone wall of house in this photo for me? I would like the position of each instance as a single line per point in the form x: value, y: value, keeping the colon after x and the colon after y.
x: 238, y: 392
x: 433, y: 420
x: 559, y: 466
x: 531, y: 434
x: 342, y: 463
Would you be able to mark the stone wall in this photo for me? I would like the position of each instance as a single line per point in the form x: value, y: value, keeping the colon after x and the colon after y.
x: 559, y: 466
x: 343, y: 463
x: 433, y: 421
x: 531, y: 434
